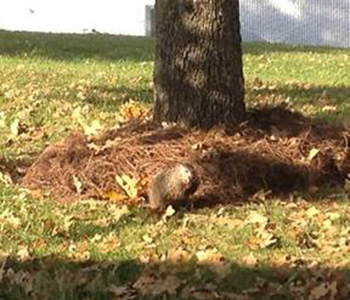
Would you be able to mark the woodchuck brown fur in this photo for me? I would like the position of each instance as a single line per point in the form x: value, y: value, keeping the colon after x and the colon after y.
x: 172, y: 185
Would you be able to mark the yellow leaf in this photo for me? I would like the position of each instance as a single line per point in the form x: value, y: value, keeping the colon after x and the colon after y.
x: 128, y: 184
x: 6, y: 179
x: 256, y: 218
x: 14, y: 127
x: 170, y: 211
x: 313, y: 153
x: 117, y: 212
x: 133, y: 109
x: 78, y: 184
x: 250, y: 260
x: 109, y: 244
x: 312, y: 211
x: 93, y: 128
x: 23, y: 253
x: 2, y: 120
x: 215, y: 260
x: 114, y: 196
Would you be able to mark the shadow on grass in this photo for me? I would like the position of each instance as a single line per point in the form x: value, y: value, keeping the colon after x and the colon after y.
x: 117, y: 95
x: 75, y: 47
x: 261, y: 48
x: 54, y: 278
x: 313, y: 94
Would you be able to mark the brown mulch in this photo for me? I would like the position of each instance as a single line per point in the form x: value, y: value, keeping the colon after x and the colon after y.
x: 271, y: 151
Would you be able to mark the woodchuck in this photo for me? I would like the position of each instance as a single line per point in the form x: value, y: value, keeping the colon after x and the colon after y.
x: 172, y: 185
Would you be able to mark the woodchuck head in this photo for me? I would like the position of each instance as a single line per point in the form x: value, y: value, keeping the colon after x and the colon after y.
x: 188, y: 177
x: 172, y: 185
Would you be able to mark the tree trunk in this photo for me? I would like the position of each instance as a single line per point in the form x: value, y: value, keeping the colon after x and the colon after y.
x: 198, y: 72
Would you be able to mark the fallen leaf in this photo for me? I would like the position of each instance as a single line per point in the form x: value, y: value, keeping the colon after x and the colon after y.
x: 92, y: 128
x: 14, y: 127
x: 322, y: 290
x: 23, y: 253
x: 256, y: 218
x: 114, y: 196
x: 78, y: 184
x: 128, y: 184
x: 176, y: 255
x: 313, y: 153
x: 214, y: 260
x: 312, y: 212
x: 250, y: 260
x: 170, y: 211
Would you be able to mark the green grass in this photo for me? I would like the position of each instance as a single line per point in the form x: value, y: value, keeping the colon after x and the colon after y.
x: 54, y: 84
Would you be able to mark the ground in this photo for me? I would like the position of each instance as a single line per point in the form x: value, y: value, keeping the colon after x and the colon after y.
x: 266, y: 241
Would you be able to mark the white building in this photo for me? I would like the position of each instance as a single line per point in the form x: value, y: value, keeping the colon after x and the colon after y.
x: 110, y: 16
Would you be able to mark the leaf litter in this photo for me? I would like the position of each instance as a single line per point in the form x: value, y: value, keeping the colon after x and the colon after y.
x: 232, y: 164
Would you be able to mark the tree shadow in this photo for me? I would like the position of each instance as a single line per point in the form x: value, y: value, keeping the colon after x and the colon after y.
x: 264, y: 48
x: 107, y: 98
x: 75, y: 47
x: 52, y: 277
x: 320, y: 95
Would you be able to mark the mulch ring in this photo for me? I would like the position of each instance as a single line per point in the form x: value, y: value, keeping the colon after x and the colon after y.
x: 275, y: 150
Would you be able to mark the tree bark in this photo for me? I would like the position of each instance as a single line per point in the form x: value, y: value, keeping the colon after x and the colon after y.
x: 198, y: 74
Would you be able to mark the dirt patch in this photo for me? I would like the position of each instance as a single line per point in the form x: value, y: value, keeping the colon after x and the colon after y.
x: 275, y: 150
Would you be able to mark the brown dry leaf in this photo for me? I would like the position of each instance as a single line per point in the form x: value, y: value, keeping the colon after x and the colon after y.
x: 215, y: 260
x: 250, y: 260
x: 109, y: 243
x: 37, y: 194
x: 122, y: 292
x: 176, y: 255
x: 133, y: 109
x: 147, y: 285
x: 114, y: 196
x: 39, y: 244
x: 263, y: 239
x: 79, y: 251
x: 144, y: 284
x: 324, y: 289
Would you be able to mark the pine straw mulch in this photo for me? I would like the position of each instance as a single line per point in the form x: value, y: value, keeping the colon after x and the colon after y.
x: 275, y: 150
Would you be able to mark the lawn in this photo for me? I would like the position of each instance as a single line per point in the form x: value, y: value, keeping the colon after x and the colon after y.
x: 51, y: 85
